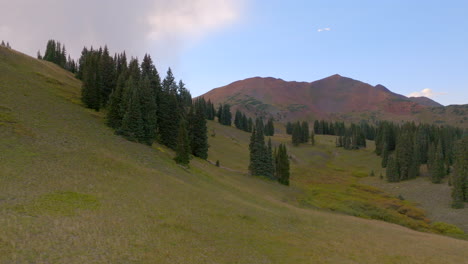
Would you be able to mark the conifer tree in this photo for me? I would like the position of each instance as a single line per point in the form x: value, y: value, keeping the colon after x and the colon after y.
x: 107, y: 68
x: 269, y: 128
x: 148, y: 110
x: 132, y: 122
x: 437, y: 170
x: 289, y: 128
x: 460, y: 175
x: 392, y: 171
x: 198, y: 132
x: 305, y: 132
x: 297, y: 134
x: 282, y: 165
x: 169, y: 111
x: 90, y: 93
x: 183, y: 145
x: 115, y: 113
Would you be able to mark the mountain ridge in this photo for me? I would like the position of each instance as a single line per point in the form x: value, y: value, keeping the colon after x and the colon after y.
x: 332, y: 97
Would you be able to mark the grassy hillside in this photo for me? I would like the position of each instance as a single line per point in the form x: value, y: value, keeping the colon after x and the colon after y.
x: 73, y: 192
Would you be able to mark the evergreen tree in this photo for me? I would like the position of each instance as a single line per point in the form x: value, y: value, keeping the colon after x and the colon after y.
x: 289, y: 128
x: 385, y: 154
x: 269, y: 128
x: 392, y: 170
x: 132, y: 123
x: 107, y: 68
x: 282, y: 165
x: 148, y: 110
x: 198, y: 132
x: 460, y: 175
x: 183, y: 144
x: 169, y: 111
x: 90, y: 93
x: 297, y: 134
x: 437, y: 169
x: 404, y: 153
x: 261, y: 161
x: 115, y: 113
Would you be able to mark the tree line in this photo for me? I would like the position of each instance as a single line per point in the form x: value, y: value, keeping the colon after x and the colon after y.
x: 140, y: 106
x: 266, y: 161
x: 56, y: 53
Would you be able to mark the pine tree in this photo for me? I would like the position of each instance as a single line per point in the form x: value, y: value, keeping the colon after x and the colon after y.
x: 404, y: 153
x: 90, y: 93
x: 169, y: 111
x: 460, y: 175
x: 198, y: 132
x: 385, y: 154
x: 437, y: 168
x: 297, y: 134
x: 269, y: 128
x: 183, y: 144
x: 282, y: 165
x: 107, y: 68
x: 132, y: 123
x: 392, y: 170
x: 148, y: 111
x: 289, y: 128
x: 115, y: 113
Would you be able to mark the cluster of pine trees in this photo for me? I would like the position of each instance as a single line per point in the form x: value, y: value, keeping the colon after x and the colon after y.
x: 324, y: 127
x: 299, y: 132
x: 264, y: 161
x: 5, y: 45
x: 224, y: 114
x: 242, y: 122
x: 353, y: 138
x: 56, y: 52
x: 404, y: 148
x: 246, y: 124
x: 141, y: 107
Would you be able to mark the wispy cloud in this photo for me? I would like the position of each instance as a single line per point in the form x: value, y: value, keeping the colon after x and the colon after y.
x: 426, y: 92
x: 323, y: 29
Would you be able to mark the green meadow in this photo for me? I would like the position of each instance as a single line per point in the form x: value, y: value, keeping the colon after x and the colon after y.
x: 73, y: 192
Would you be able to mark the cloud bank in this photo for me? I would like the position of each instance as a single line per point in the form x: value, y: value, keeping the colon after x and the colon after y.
x: 425, y: 92
x: 164, y: 27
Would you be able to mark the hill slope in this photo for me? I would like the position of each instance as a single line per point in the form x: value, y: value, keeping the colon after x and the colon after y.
x: 73, y: 192
x: 334, y: 97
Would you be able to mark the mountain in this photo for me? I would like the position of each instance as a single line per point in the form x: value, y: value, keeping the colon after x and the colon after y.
x: 334, y: 97
x: 71, y: 191
x: 422, y: 100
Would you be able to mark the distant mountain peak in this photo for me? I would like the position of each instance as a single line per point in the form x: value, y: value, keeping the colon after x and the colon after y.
x: 329, y: 97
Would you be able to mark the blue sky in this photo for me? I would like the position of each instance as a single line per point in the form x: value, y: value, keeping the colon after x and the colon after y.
x: 408, y: 46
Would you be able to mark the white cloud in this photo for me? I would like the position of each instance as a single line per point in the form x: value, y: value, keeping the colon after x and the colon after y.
x: 323, y: 29
x: 191, y: 18
x: 425, y: 92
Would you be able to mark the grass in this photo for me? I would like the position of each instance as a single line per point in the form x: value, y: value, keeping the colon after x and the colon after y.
x: 76, y: 193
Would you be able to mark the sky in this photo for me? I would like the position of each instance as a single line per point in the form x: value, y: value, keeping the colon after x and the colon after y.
x: 417, y: 48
